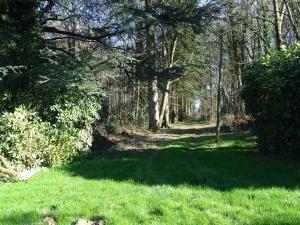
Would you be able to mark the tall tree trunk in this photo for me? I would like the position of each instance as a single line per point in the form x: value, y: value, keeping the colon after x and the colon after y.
x: 211, y: 95
x: 137, y: 100
x: 266, y: 36
x: 138, y: 70
x: 152, y: 82
x: 218, y: 125
x: 243, y: 62
x: 277, y: 24
x: 167, y: 115
x: 176, y: 109
x: 153, y: 104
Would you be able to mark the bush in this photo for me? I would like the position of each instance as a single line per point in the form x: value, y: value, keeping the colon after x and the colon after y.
x: 74, y: 109
x: 17, y: 143
x: 272, y: 97
x: 231, y: 122
x: 28, y: 141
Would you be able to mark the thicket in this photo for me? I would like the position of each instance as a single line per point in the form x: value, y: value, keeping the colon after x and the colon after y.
x: 272, y: 96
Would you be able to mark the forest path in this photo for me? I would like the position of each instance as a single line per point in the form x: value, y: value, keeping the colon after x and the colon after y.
x: 145, y: 139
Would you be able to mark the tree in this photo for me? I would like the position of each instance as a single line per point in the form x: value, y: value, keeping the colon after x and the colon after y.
x: 21, y: 41
x: 152, y: 82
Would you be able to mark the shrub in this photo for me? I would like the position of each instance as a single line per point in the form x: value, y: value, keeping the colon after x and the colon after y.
x: 272, y: 97
x: 22, y: 138
x: 241, y: 122
x: 29, y: 141
x: 75, y: 109
x: 231, y: 122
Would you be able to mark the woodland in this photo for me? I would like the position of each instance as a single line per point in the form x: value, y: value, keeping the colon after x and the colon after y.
x: 149, y: 112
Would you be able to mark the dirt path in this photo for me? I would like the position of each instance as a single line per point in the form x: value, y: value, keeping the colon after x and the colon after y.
x: 145, y: 139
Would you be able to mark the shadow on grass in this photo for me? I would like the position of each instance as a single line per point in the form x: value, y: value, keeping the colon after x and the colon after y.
x: 197, y: 162
x: 20, y: 218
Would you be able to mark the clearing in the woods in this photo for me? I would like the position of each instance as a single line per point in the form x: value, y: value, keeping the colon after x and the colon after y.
x: 180, y: 176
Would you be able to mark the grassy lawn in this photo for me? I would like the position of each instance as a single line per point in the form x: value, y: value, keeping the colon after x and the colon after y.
x: 187, y: 181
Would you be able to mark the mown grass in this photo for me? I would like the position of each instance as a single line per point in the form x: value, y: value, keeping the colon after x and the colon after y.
x: 188, y: 181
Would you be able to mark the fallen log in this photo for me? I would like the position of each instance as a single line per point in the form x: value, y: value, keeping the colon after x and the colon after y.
x: 26, y: 174
x: 8, y: 172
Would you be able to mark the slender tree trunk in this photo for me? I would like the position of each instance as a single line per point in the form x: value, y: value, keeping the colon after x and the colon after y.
x: 211, y: 105
x: 167, y: 115
x: 186, y: 105
x: 176, y: 109
x: 266, y: 37
x: 138, y: 70
x: 164, y: 105
x: 181, y: 108
x: 137, y: 100
x: 243, y: 62
x: 218, y: 125
x: 277, y: 25
x: 292, y: 21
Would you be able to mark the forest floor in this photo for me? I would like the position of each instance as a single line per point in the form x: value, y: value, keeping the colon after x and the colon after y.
x: 180, y: 176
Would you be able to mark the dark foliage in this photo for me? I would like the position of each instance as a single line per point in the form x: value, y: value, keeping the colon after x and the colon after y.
x: 272, y: 96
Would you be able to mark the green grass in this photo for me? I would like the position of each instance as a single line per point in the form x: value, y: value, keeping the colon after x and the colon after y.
x: 188, y: 181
